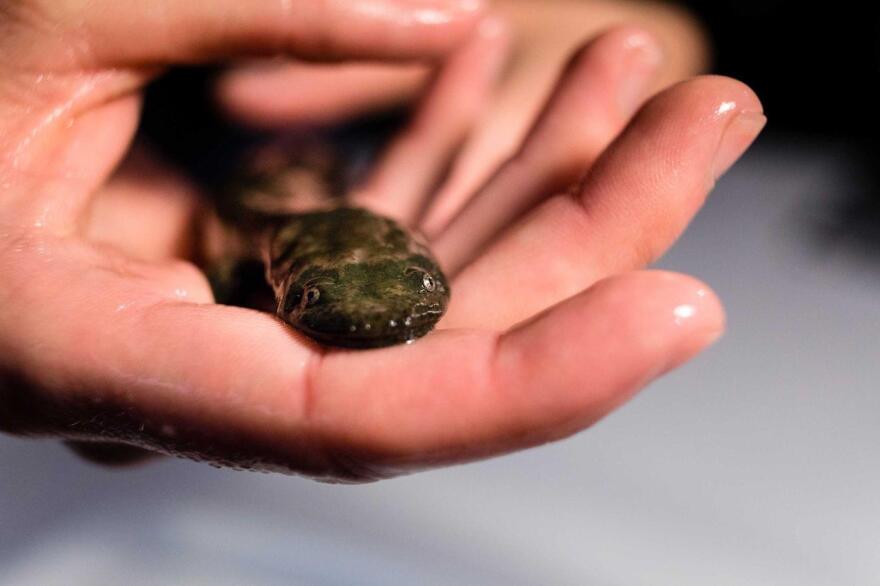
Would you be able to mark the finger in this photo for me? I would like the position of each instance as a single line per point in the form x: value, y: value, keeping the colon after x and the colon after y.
x: 146, y: 210
x: 49, y: 170
x: 631, y: 207
x: 85, y: 34
x: 462, y: 395
x: 270, y: 94
x: 603, y: 85
x: 238, y: 388
x: 519, y: 98
x: 415, y: 160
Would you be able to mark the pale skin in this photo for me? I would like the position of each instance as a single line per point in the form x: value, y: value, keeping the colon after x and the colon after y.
x: 109, y: 333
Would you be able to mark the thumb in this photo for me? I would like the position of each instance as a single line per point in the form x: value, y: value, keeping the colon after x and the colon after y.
x: 82, y: 34
x: 67, y: 90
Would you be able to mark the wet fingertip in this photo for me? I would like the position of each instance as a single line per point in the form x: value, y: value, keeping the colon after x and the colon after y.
x: 697, y: 318
x: 642, y: 45
x: 736, y: 138
x: 494, y: 34
x: 634, y: 36
x: 643, y: 57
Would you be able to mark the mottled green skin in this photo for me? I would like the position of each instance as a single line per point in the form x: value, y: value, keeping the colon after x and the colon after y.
x: 348, y: 277
x: 342, y: 276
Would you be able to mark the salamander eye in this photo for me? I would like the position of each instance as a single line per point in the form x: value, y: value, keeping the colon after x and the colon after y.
x: 428, y: 281
x: 311, y: 296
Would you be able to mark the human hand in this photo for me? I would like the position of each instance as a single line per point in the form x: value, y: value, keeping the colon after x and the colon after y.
x: 98, y: 345
x: 543, y: 34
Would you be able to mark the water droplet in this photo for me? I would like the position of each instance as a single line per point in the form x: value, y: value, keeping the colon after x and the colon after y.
x: 683, y: 312
x: 725, y: 107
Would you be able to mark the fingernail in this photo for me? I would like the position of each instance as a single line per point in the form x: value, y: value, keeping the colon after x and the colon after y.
x: 741, y: 131
x: 642, y: 61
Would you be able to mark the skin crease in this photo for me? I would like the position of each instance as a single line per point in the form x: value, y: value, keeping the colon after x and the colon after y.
x: 135, y: 350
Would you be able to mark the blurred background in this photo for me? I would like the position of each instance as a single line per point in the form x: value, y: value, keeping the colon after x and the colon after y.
x: 755, y: 464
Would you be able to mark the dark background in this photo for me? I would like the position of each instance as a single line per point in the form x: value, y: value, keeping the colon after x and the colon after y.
x: 815, y: 66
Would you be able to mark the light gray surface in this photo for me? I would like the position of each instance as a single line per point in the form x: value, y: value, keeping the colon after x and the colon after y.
x: 755, y: 465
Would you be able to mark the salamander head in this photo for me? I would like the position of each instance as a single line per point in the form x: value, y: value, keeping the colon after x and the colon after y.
x: 367, y: 304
